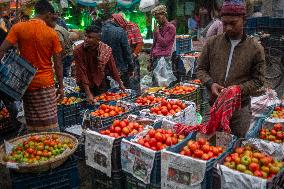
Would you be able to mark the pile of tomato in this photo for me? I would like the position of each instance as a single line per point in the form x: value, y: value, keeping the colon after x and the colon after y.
x: 109, y: 96
x: 123, y: 128
x: 167, y: 108
x: 148, y: 100
x: 201, y: 149
x: 158, y: 139
x: 177, y: 90
x: 105, y: 111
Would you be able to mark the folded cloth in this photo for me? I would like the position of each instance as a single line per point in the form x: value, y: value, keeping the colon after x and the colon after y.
x: 220, y: 114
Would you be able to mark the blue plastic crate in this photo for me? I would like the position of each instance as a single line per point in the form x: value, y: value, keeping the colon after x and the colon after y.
x: 101, y: 181
x: 276, y: 22
x: 183, y: 45
x: 115, y: 154
x: 65, y: 176
x: 132, y: 95
x: 15, y: 76
x: 277, y: 180
x: 134, y: 183
x: 253, y: 132
x: 250, y: 30
x: 263, y: 21
x: 155, y: 177
x: 251, y: 22
x: 69, y: 115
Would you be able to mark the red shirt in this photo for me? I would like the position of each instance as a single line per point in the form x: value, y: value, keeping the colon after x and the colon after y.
x: 91, y: 64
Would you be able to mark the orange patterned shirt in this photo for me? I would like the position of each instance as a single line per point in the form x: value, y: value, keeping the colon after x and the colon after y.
x: 37, y: 43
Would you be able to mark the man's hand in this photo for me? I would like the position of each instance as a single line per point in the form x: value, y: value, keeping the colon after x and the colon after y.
x: 130, y: 74
x: 156, y: 27
x: 91, y: 99
x: 216, y: 89
x: 134, y: 55
x: 60, y: 93
x: 122, y: 87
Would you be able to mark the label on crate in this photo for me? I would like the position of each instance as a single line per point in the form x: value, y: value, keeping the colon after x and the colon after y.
x: 137, y: 160
x: 98, y: 149
x: 180, y: 172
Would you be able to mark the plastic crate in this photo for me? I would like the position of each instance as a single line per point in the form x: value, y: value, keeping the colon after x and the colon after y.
x: 276, y: 181
x: 131, y: 95
x: 251, y: 22
x: 101, y: 181
x: 254, y: 131
x: 276, y: 22
x: 69, y: 115
x: 263, y: 21
x: 155, y: 176
x: 204, y: 108
x: 15, y: 76
x: 250, y: 30
x: 65, y: 176
x: 98, y: 122
x: 6, y: 126
x: 133, y: 183
x: 207, y: 182
x: 183, y: 45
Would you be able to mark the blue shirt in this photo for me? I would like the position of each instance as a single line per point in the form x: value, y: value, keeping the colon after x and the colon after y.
x: 192, y: 24
x: 115, y: 37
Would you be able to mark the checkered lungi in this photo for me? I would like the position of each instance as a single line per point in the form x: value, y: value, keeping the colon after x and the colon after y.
x: 40, y: 108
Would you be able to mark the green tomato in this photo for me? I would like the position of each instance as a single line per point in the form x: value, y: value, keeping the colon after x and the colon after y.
x: 54, y: 152
x: 46, y: 147
x: 31, y: 143
x: 20, y: 145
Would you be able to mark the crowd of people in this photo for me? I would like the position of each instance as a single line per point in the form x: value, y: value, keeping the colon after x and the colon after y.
x: 111, y: 48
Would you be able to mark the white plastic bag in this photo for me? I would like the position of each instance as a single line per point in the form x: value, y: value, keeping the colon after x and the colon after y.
x: 163, y: 73
x: 147, y: 5
x: 260, y: 105
x: 146, y: 82
x: 113, y: 84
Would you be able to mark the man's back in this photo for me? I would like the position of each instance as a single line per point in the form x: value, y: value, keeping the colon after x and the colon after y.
x: 116, y: 38
x: 64, y: 37
x: 37, y: 43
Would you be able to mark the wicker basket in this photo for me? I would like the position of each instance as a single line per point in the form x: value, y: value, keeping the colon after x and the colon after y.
x: 42, y: 166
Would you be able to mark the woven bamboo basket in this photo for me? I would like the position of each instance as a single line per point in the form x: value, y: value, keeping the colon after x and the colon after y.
x: 41, y: 166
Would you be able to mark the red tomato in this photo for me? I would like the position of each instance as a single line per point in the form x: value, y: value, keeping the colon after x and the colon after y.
x: 117, y: 129
x: 153, y: 142
x: 116, y: 123
x: 159, y: 137
x: 201, y: 141
x: 122, y: 124
x: 198, y: 153
x: 205, y: 148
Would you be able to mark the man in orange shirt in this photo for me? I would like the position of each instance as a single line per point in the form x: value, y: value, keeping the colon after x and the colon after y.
x: 38, y: 43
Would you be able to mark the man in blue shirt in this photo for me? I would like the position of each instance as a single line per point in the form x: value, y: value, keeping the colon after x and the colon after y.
x: 192, y: 25
x: 116, y: 37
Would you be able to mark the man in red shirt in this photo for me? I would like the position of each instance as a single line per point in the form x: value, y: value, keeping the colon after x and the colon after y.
x: 93, y: 59
x: 38, y: 42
